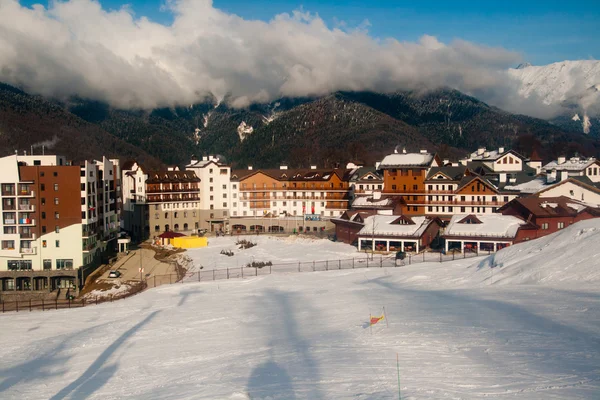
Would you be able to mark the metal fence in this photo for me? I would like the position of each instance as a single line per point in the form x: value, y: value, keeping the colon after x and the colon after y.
x: 368, y: 261
x: 56, y: 304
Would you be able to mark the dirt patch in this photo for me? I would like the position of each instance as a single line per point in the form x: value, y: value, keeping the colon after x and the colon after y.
x: 109, y: 291
x: 170, y: 255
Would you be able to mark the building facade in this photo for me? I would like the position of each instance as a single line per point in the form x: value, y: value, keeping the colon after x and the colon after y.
x: 50, y: 235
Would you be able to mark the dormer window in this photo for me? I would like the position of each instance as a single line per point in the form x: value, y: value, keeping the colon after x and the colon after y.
x: 403, y: 220
x: 470, y: 219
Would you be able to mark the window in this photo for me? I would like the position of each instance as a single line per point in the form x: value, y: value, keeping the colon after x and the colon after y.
x: 42, y: 187
x: 430, y: 208
x: 210, y: 188
x: 156, y: 216
x: 393, y: 187
x: 185, y: 214
x: 56, y: 215
x: 166, y: 215
x: 223, y: 171
x: 43, y: 215
x: 64, y: 264
x: 176, y: 213
x: 43, y: 228
x: 462, y: 209
x: 41, y: 173
x: 83, y: 187
x: 19, y: 265
x: 56, y: 187
x: 8, y: 245
x: 545, y: 225
x: 57, y: 229
x: 212, y: 198
x: 234, y: 186
x: 415, y: 187
x: 561, y: 225
x: 506, y: 199
x: 194, y: 214
x: 224, y: 195
x: 47, y: 264
x: 212, y: 207
x: 44, y: 243
x: 55, y: 173
x: 56, y: 200
x: 210, y: 171
x: 210, y: 180
x: 57, y: 243
x: 224, y: 186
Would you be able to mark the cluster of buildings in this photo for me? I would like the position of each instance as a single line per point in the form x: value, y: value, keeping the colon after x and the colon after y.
x: 60, y: 220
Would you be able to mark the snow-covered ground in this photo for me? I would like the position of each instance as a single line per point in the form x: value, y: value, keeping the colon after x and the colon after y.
x: 277, y: 249
x: 523, y: 329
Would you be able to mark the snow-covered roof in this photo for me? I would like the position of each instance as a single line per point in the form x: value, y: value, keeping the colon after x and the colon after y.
x: 382, y: 225
x: 406, y: 160
x: 572, y: 164
x: 494, y: 225
x: 532, y: 186
x: 368, y: 201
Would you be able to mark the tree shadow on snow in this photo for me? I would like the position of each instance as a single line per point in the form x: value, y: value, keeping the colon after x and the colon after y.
x: 98, y: 374
x: 185, y: 294
x: 48, y: 365
x: 270, y: 381
x: 289, y: 347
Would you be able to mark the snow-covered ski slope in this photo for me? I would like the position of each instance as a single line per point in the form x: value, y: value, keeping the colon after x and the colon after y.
x: 530, y: 330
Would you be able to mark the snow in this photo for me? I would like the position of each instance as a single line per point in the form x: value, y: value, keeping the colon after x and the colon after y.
x: 556, y: 82
x: 533, y: 186
x: 406, y: 159
x: 572, y: 164
x: 497, y: 225
x: 382, y: 225
x: 244, y: 130
x: 528, y: 328
x: 362, y: 201
x: 278, y: 250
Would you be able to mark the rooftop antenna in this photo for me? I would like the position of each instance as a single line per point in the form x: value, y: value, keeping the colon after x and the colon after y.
x: 31, y: 150
x: 43, y: 148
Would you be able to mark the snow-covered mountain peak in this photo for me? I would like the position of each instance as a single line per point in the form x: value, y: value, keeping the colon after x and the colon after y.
x: 555, y: 83
x: 523, y: 65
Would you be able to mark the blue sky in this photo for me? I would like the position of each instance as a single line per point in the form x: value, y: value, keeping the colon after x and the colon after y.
x: 542, y: 31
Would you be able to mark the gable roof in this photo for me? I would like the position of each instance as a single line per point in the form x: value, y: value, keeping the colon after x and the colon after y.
x: 572, y: 164
x: 155, y: 177
x: 491, y: 225
x: 561, y: 206
x: 294, y: 175
x: 383, y: 225
x: 397, y: 160
x: 493, y: 155
x: 468, y: 179
x: 452, y: 173
x: 581, y: 181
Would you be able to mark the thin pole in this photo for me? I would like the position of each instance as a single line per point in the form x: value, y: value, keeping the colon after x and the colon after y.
x: 370, y: 324
x: 398, y: 368
x: 386, y: 318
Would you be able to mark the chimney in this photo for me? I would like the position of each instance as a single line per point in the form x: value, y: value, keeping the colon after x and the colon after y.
x: 423, y: 151
x: 480, y: 151
x: 376, y: 195
x: 561, y: 160
x: 249, y: 167
x: 464, y: 161
x: 500, y: 150
x: 564, y: 175
x: 211, y: 158
x: 486, y: 154
x: 377, y: 164
x: 313, y: 167
x: 455, y: 164
x: 280, y: 167
x: 204, y: 158
x: 446, y: 162
x: 502, y: 177
x: 404, y: 150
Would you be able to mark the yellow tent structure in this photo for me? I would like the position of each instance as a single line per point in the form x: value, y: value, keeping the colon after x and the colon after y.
x: 189, y: 242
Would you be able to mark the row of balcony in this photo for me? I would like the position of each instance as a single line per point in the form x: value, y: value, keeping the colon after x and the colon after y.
x: 330, y: 205
x: 21, y: 221
x: 173, y: 190
x: 21, y: 193
x: 454, y: 202
x: 20, y: 207
x: 23, y: 250
x: 342, y: 197
x: 293, y: 189
x: 173, y: 197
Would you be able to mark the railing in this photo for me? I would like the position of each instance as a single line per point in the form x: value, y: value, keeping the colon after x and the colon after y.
x: 28, y: 250
x: 8, y: 193
x: 27, y: 207
x: 26, y: 221
x: 88, y: 246
x: 10, y: 221
x: 27, y: 193
x: 29, y: 235
x: 6, y: 207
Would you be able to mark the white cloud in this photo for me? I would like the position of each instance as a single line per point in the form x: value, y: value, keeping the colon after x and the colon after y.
x: 76, y: 47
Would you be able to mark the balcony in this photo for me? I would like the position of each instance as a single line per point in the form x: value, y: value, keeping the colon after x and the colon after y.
x: 404, y: 191
x: 28, y: 250
x: 27, y: 207
x: 28, y: 235
x: 336, y: 205
x: 266, y: 205
x: 10, y: 221
x: 88, y: 246
x: 27, y: 221
x: 8, y: 193
x: 26, y: 193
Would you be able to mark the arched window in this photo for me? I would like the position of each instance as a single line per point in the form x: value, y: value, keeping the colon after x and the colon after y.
x: 185, y: 227
x: 167, y: 228
x: 176, y: 227
x: 156, y: 228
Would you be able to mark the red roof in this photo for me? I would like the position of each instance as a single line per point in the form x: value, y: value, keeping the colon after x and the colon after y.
x: 170, y: 235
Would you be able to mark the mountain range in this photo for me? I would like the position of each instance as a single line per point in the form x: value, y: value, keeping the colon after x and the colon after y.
x: 340, y: 127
